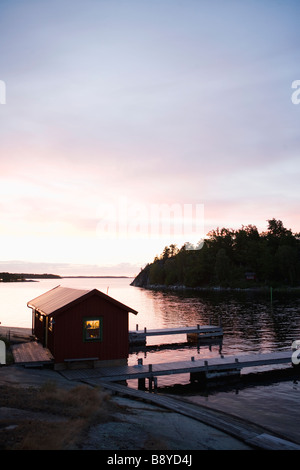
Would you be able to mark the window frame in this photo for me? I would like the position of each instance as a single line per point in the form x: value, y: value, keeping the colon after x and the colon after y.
x: 92, y: 340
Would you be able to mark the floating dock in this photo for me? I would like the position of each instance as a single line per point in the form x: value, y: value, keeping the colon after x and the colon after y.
x: 193, y: 333
x: 199, y: 370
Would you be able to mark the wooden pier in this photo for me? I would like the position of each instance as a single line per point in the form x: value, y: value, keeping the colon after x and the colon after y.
x: 31, y: 353
x: 199, y: 370
x: 193, y: 333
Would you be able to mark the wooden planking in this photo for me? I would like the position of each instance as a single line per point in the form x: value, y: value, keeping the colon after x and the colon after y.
x: 202, y: 365
x: 179, y: 330
x: 183, y: 367
x: 31, y: 352
x: 139, y: 337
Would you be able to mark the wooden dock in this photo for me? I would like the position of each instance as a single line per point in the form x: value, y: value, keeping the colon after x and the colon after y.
x: 31, y: 354
x: 139, y: 337
x: 200, y: 369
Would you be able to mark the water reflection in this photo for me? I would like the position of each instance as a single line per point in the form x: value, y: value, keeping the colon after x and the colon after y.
x: 251, y: 323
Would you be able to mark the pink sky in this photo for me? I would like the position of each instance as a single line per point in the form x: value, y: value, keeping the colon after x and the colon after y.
x: 157, y: 103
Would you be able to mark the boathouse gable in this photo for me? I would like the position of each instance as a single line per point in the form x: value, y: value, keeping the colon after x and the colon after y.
x: 81, y: 326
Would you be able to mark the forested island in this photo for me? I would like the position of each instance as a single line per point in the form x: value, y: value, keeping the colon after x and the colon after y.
x: 242, y: 258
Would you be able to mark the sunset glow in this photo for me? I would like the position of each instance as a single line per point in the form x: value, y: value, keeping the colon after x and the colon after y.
x: 166, y: 102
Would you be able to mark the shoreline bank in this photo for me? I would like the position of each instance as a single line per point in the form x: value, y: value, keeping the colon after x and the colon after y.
x: 261, y: 289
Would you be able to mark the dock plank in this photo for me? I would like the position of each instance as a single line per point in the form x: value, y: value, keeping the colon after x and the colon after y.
x: 139, y: 337
x: 182, y: 367
x: 31, y: 352
x: 178, y: 330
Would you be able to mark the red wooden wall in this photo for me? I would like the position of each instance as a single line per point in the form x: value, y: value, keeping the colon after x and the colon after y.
x: 65, y: 341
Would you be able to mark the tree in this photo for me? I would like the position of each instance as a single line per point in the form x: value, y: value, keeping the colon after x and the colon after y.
x: 222, y: 266
x: 157, y: 273
x: 276, y: 229
x: 166, y: 253
x: 173, y: 249
x: 286, y: 264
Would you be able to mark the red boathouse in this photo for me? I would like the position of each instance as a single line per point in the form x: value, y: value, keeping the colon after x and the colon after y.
x: 81, y: 327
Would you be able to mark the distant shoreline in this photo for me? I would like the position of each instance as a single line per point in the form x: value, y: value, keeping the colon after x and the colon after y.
x: 26, y: 277
x: 97, y: 277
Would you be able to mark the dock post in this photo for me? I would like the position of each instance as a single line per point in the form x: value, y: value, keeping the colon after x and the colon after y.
x: 152, y: 383
x: 199, y: 376
x: 150, y: 378
x: 142, y: 381
x: 136, y: 327
x: 206, y: 367
x: 142, y: 384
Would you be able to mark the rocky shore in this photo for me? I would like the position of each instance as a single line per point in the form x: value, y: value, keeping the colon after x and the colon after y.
x: 122, y: 424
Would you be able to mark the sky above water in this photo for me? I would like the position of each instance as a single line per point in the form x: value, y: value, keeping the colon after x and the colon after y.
x: 111, y: 109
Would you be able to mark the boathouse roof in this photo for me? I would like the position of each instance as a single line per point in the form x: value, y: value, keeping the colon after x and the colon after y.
x: 59, y: 297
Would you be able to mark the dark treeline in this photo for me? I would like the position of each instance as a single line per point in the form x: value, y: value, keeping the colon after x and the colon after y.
x: 230, y: 258
x: 14, y: 277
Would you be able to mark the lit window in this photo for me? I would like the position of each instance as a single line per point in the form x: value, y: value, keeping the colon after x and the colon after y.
x: 51, y: 323
x: 92, y: 329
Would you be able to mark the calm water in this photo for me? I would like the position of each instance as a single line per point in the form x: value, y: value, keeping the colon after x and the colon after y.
x: 251, y: 323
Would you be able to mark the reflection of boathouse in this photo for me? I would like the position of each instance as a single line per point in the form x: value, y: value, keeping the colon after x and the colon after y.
x: 79, y: 326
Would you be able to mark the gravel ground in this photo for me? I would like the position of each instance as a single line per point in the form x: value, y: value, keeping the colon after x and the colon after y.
x: 132, y: 425
x: 148, y: 427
